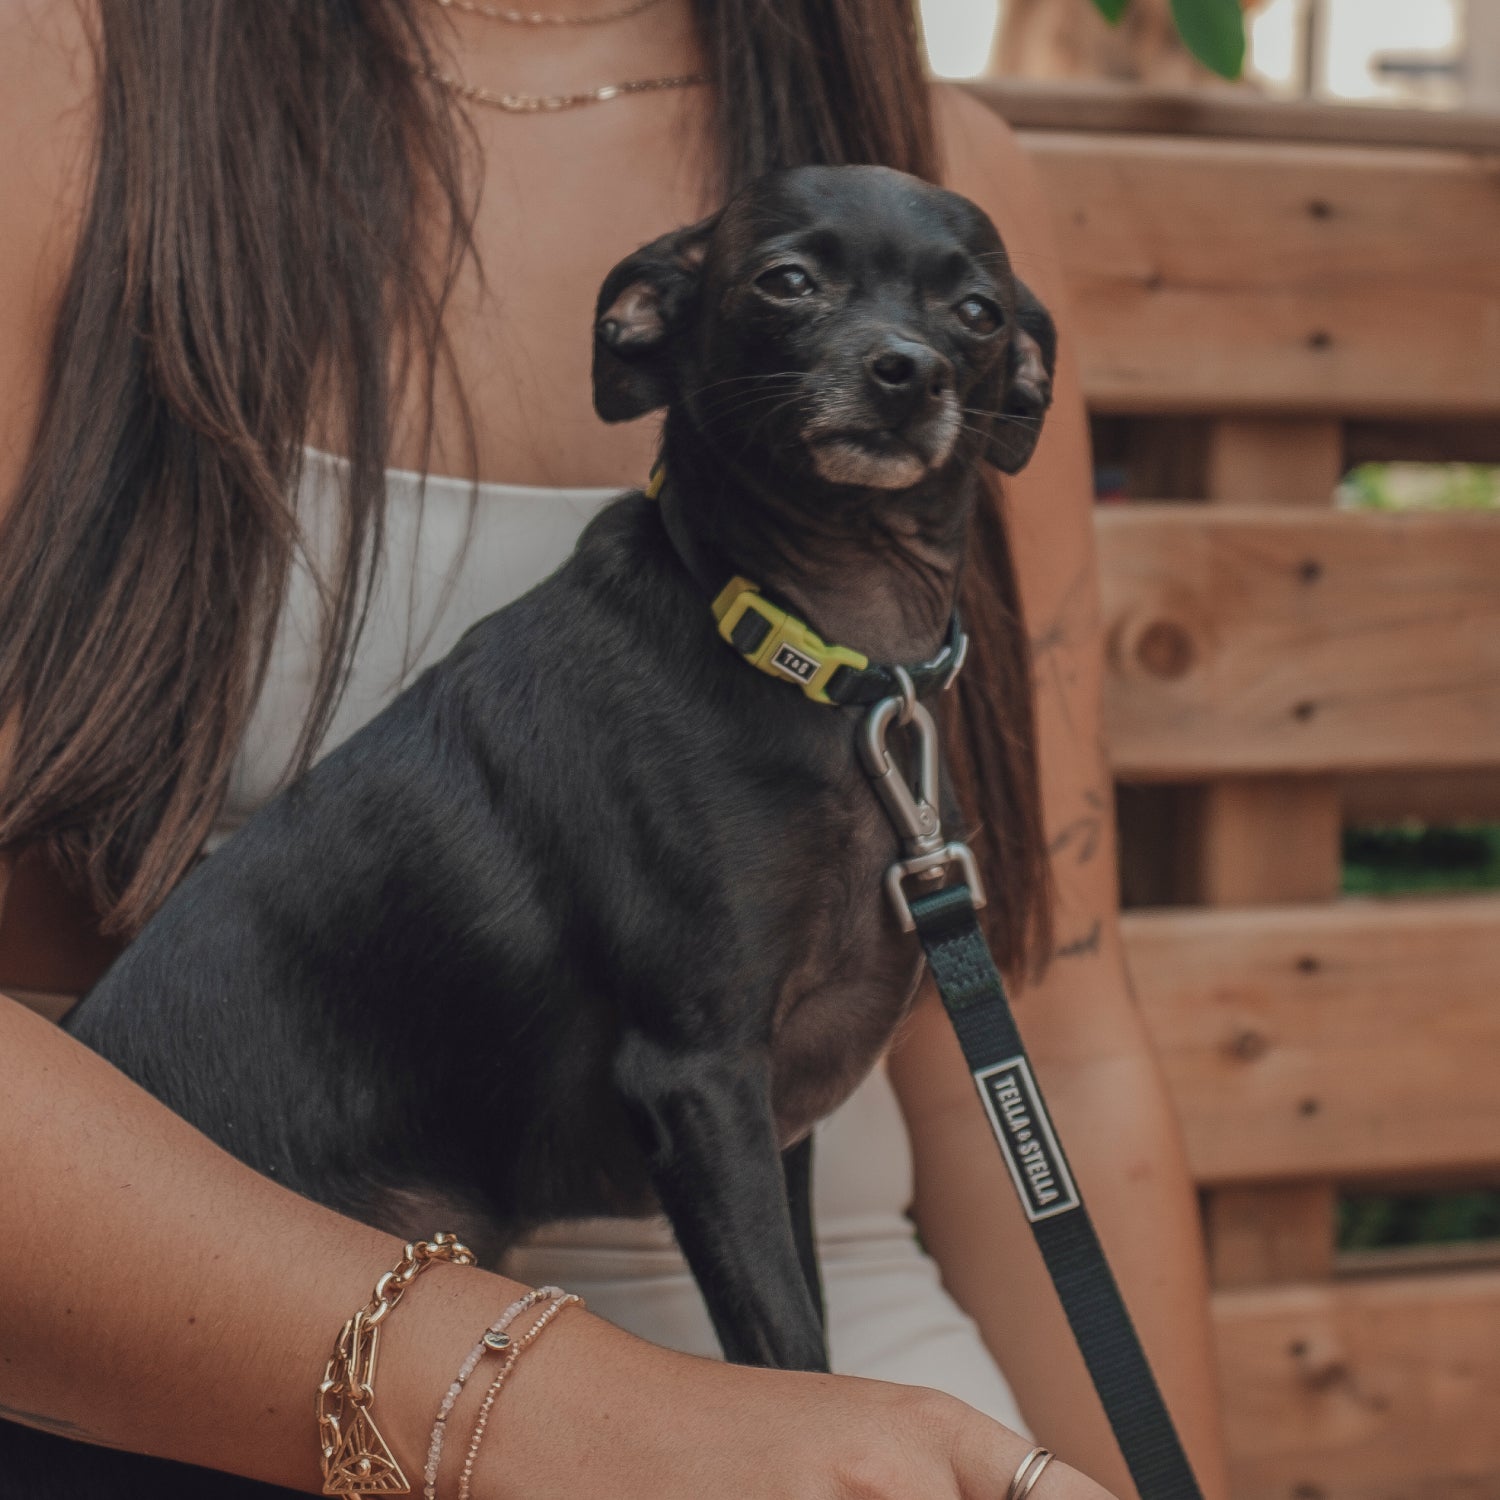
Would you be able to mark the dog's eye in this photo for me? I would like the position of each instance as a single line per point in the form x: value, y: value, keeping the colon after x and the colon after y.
x: 979, y: 315
x: 786, y: 282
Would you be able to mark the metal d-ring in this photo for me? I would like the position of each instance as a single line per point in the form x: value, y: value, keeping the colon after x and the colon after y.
x: 908, y: 696
x: 913, y: 811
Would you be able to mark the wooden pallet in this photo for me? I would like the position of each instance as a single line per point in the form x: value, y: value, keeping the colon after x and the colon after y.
x: 1262, y: 293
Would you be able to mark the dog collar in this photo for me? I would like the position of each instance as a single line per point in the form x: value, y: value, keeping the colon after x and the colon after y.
x: 776, y: 642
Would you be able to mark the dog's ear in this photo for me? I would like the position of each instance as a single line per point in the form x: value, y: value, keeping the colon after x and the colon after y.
x: 644, y: 304
x: 1026, y: 391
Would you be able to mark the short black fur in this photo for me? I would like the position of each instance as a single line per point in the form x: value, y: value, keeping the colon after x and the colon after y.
x: 588, y: 921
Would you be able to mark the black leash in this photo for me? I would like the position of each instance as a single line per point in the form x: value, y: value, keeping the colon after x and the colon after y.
x: 973, y: 994
x: 776, y: 642
x: 975, y: 998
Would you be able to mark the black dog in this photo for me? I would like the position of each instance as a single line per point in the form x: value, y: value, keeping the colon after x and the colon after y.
x: 589, y: 920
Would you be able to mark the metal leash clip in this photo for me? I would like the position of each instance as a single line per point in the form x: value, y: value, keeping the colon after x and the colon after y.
x: 926, y: 855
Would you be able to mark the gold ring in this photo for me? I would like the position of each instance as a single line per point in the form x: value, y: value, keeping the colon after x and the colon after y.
x: 1028, y: 1474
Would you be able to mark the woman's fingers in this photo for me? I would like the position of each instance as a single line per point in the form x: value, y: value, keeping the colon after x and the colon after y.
x: 593, y: 1410
x: 987, y: 1462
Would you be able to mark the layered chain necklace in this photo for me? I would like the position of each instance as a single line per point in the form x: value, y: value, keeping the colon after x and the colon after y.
x: 530, y: 104
x: 540, y: 18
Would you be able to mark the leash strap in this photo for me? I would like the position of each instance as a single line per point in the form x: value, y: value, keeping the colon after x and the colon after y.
x: 974, y: 995
x: 774, y: 641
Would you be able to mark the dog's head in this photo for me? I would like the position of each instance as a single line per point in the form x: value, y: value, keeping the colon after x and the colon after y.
x: 853, y: 323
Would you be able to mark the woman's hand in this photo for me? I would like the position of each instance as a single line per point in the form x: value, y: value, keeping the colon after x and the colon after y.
x: 594, y: 1411
x: 211, y: 1347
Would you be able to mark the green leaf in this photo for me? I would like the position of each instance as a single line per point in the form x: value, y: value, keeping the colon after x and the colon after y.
x: 1214, y: 31
x: 1111, y: 10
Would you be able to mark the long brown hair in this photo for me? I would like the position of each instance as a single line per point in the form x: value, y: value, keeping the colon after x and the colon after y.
x: 258, y: 247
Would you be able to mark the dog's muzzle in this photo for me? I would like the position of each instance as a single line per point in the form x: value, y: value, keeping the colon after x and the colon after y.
x: 887, y: 423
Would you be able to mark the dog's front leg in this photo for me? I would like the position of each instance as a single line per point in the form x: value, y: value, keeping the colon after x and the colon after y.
x: 797, y: 1168
x: 715, y: 1163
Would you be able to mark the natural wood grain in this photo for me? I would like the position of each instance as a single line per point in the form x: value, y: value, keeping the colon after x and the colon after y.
x: 1244, y: 641
x: 1225, y: 276
x: 1274, y: 461
x: 1366, y: 1390
x: 1267, y: 840
x: 1429, y: 442
x: 1327, y: 1042
x: 1262, y: 1235
x: 1264, y: 840
x: 1118, y: 109
x: 1462, y: 796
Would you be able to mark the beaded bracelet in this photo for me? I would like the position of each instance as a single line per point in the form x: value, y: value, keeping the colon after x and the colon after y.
x: 512, y: 1354
x: 493, y: 1338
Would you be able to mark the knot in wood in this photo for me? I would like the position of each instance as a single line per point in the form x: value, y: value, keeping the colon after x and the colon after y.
x: 1165, y: 650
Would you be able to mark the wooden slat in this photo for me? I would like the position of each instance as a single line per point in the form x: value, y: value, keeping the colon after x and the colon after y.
x: 1223, y: 276
x: 1262, y: 841
x: 1267, y: 840
x: 1366, y: 1390
x: 1431, y: 442
x: 1229, y: 114
x: 1273, y: 461
x: 1258, y: 1235
x: 1243, y: 641
x: 1430, y: 797
x: 1333, y: 1042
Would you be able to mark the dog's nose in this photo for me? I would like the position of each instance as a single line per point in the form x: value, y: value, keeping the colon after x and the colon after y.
x: 905, y: 375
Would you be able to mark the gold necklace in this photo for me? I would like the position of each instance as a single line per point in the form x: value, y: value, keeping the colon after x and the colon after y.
x: 539, y: 18
x: 531, y: 104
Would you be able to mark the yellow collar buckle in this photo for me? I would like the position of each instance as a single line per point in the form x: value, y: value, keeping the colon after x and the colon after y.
x: 778, y: 643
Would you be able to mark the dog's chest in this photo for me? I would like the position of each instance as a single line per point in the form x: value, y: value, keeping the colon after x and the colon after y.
x: 849, y: 986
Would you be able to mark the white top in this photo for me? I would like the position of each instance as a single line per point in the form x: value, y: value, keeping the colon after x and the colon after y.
x: 455, y: 553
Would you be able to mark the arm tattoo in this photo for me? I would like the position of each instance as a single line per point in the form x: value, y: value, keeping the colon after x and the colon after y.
x: 1085, y: 946
x: 1064, y: 631
x: 1081, y: 836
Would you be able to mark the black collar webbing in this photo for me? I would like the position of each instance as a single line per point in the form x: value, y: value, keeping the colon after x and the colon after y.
x: 776, y: 642
x: 974, y: 996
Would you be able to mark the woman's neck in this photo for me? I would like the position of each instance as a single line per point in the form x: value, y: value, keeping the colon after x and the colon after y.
x: 659, y: 41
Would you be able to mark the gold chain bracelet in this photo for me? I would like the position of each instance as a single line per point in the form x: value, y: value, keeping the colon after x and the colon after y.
x: 356, y: 1460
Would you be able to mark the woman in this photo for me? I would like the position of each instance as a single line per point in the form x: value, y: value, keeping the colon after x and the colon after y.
x: 270, y: 255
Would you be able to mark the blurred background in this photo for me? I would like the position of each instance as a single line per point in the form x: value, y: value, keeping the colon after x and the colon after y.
x: 1286, y: 309
x: 1436, y: 54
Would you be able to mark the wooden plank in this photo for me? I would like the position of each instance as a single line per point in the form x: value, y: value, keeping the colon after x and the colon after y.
x: 1219, y: 277
x: 1258, y: 1236
x: 1264, y: 840
x: 1274, y: 461
x: 1462, y: 796
x: 1333, y: 1042
x: 1243, y: 641
x: 1460, y: 1255
x: 1118, y: 109
x: 1366, y: 1390
x: 1430, y: 442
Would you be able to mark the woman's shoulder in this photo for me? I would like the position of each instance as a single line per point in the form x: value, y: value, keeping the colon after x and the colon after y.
x: 982, y: 158
x: 47, y: 82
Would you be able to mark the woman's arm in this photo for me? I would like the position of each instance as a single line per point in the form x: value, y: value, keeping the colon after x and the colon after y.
x: 1088, y: 1040
x: 160, y: 1296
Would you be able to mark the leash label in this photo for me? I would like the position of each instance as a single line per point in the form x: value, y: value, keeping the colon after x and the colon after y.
x: 1020, y: 1123
x: 794, y: 663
